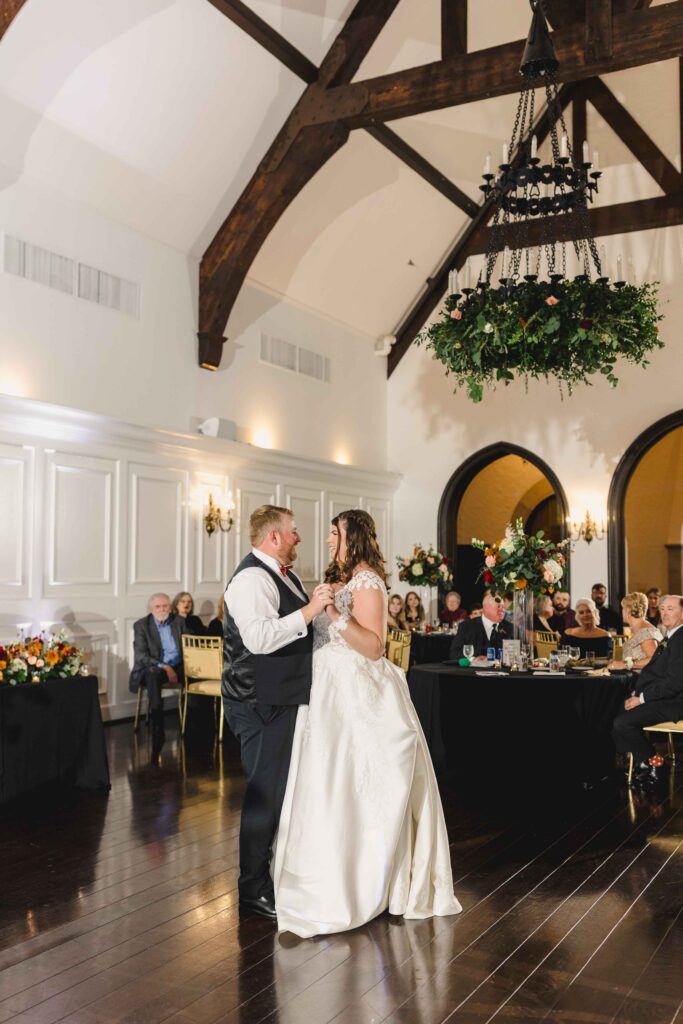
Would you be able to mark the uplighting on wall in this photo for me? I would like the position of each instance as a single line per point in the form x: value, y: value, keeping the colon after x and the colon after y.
x: 219, y: 517
x: 588, y: 529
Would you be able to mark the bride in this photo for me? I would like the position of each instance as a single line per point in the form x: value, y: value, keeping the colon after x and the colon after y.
x: 362, y: 827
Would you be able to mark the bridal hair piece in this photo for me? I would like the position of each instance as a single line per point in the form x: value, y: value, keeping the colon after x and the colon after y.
x: 361, y: 547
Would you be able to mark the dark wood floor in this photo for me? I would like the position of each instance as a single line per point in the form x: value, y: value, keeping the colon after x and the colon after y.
x: 123, y: 908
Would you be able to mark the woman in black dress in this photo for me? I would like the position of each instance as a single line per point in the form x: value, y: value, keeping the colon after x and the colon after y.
x: 183, y: 606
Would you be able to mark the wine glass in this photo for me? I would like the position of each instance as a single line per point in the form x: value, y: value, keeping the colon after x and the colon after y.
x: 468, y: 651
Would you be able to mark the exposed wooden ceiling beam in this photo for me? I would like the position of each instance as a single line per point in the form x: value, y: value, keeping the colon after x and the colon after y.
x: 620, y: 218
x: 8, y: 12
x: 599, y: 30
x: 292, y: 160
x: 453, y: 28
x: 417, y: 316
x: 632, y: 135
x: 268, y: 38
x: 639, y: 38
x: 568, y: 12
x: 395, y: 144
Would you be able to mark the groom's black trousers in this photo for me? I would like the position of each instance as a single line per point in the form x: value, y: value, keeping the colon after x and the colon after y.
x: 265, y: 732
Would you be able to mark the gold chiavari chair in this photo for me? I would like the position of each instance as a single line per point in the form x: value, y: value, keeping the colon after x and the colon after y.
x: 203, y: 664
x: 669, y: 728
x: 618, y: 641
x: 545, y: 643
x: 398, y: 647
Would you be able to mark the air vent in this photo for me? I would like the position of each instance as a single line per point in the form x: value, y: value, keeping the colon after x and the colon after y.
x: 39, y: 265
x: 107, y: 290
x: 49, y: 268
x: 286, y: 356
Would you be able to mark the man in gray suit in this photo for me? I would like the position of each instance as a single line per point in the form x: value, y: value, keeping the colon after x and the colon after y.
x: 158, y: 655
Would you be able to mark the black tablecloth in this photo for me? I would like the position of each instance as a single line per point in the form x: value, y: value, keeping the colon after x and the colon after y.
x: 428, y: 648
x: 51, y: 733
x: 558, y: 725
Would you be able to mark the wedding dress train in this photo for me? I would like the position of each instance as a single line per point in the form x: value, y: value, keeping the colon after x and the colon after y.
x: 362, y: 827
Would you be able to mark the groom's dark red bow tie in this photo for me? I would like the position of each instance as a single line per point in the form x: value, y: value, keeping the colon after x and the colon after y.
x: 283, y: 570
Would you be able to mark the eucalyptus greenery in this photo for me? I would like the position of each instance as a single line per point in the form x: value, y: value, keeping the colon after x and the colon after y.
x: 566, y: 329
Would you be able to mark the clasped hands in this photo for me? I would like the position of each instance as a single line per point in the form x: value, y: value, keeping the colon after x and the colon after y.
x: 324, y: 596
x: 631, y: 703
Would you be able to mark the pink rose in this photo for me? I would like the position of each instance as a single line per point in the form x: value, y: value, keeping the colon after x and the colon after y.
x: 431, y: 561
x: 406, y: 561
x: 548, y: 577
x: 551, y: 301
x: 456, y: 314
x: 490, y: 561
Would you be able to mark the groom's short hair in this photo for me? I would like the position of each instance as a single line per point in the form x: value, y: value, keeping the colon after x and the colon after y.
x: 264, y: 519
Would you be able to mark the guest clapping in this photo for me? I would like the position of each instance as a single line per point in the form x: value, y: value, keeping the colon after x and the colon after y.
x: 395, y: 619
x: 414, y: 612
x: 587, y: 636
x: 183, y: 607
x: 452, y: 613
x: 543, y: 611
x: 642, y: 643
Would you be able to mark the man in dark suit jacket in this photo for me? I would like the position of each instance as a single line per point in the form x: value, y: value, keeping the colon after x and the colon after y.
x: 658, y: 695
x: 158, y: 655
x: 487, y: 630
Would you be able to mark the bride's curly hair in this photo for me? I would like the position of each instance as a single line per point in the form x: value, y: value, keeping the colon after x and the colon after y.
x: 361, y: 546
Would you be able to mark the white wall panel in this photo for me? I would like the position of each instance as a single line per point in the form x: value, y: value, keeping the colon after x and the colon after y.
x: 157, y: 527
x: 16, y: 519
x: 81, y: 512
x: 210, y: 551
x: 249, y: 495
x: 380, y: 509
x: 307, y: 506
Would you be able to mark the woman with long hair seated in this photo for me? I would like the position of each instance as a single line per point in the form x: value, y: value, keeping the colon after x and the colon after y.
x: 587, y: 636
x: 395, y: 619
x: 543, y: 610
x: 642, y: 643
x: 414, y: 612
x: 183, y: 607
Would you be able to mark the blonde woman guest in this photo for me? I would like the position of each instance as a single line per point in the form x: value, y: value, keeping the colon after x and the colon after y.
x: 414, y: 612
x: 543, y: 611
x: 642, y: 643
x: 395, y: 619
x: 588, y: 636
x: 215, y: 627
x: 452, y: 612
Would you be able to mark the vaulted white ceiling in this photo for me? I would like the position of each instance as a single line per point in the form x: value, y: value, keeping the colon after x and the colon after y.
x: 157, y: 112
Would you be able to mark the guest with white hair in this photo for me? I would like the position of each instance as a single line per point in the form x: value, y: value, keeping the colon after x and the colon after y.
x: 587, y: 636
x: 158, y: 656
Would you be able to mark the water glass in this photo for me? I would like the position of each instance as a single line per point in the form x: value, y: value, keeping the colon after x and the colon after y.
x: 575, y: 653
x: 590, y: 657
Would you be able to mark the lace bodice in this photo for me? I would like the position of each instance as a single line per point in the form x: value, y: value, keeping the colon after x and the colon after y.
x: 633, y: 646
x: 324, y: 630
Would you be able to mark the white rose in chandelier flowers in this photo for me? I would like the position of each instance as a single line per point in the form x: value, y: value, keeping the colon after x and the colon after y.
x: 417, y: 569
x: 552, y: 571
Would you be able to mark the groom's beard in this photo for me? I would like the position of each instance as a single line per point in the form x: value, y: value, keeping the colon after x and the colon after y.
x: 289, y: 557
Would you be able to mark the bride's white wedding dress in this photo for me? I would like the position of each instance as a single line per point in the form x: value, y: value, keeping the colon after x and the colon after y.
x: 362, y: 828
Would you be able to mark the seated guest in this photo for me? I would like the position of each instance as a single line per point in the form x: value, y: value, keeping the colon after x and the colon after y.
x: 395, y: 618
x: 653, y: 616
x: 587, y: 636
x: 215, y: 627
x: 183, y: 606
x: 476, y: 610
x: 642, y: 643
x: 452, y: 612
x: 609, y: 619
x: 158, y: 659
x: 563, y: 616
x: 658, y: 696
x: 543, y: 611
x: 414, y: 613
x: 484, y: 631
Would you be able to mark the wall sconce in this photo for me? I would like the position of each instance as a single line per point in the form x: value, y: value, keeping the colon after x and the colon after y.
x: 588, y: 530
x: 217, y: 518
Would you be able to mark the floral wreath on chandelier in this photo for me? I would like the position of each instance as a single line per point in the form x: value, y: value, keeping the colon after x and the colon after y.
x: 561, y: 328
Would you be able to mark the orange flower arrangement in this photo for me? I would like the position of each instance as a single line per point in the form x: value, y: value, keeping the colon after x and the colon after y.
x: 37, y: 658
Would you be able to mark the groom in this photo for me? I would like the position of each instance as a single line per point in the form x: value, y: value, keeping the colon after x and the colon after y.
x: 267, y: 649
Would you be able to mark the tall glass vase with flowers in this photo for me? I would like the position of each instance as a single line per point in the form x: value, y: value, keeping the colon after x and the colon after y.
x: 426, y: 569
x: 525, y: 565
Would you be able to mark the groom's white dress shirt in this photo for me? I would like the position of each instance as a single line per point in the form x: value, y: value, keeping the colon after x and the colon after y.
x: 253, y: 601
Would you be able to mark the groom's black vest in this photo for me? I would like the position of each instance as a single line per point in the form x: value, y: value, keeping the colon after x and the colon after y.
x: 283, y: 677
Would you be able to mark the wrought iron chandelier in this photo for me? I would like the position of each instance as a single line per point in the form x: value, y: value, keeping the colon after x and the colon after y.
x: 538, y: 321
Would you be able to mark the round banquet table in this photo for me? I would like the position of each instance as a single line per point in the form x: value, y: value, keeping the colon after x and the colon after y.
x: 537, y: 728
x: 428, y: 648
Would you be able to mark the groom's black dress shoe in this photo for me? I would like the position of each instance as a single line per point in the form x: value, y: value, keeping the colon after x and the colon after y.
x: 263, y: 906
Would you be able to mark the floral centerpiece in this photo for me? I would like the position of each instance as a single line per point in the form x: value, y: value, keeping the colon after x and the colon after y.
x: 36, y: 658
x: 527, y: 562
x: 569, y: 330
x: 426, y: 567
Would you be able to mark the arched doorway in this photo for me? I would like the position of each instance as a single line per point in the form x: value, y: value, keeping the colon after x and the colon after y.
x: 645, y: 505
x: 496, y: 485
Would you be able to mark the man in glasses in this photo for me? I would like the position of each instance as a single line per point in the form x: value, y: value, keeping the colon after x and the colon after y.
x: 489, y: 630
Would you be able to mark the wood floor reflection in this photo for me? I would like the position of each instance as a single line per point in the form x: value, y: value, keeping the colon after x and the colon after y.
x: 122, y: 908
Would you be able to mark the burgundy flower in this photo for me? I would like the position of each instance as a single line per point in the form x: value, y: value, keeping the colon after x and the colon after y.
x: 586, y: 325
